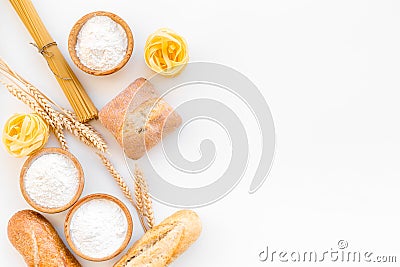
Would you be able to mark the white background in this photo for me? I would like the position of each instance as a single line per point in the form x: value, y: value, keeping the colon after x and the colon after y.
x: 330, y: 73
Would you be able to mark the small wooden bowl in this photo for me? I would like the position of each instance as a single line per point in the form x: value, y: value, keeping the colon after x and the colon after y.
x: 72, y: 39
x: 28, y: 163
x: 77, y: 206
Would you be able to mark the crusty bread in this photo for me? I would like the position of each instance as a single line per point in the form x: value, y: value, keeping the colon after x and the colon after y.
x: 165, y: 242
x: 38, y: 242
x: 138, y: 118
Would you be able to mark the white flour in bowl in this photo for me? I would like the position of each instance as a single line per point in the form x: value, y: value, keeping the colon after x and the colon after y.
x: 98, y: 228
x: 101, y: 43
x: 51, y: 180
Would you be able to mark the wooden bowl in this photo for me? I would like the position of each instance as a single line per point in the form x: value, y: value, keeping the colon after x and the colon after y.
x: 28, y: 163
x: 77, y: 206
x: 74, y: 35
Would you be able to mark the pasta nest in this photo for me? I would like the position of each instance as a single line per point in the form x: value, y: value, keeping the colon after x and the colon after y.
x: 24, y: 134
x: 166, y: 52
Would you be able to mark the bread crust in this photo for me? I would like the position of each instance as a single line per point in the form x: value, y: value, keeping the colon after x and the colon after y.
x: 165, y: 242
x: 38, y: 242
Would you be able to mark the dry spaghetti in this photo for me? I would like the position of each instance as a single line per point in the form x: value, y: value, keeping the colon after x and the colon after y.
x: 73, y: 90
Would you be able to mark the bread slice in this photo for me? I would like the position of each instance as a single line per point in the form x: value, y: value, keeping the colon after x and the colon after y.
x: 138, y: 118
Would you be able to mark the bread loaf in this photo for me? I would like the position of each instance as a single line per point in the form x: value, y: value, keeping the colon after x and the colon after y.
x: 165, y: 242
x: 38, y: 242
x: 138, y: 118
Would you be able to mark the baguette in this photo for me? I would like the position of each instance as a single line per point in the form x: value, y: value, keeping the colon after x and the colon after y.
x: 138, y: 118
x: 165, y: 242
x: 38, y: 242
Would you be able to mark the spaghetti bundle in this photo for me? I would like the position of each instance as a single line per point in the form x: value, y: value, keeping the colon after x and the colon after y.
x: 73, y: 90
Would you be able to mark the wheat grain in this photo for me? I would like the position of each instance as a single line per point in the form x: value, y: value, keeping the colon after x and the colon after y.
x: 60, y: 137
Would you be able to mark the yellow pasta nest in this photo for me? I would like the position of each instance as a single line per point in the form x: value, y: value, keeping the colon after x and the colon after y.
x: 24, y: 134
x: 166, y: 52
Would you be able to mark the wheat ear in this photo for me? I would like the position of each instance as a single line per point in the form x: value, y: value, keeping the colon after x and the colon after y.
x: 138, y: 193
x: 145, y: 197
